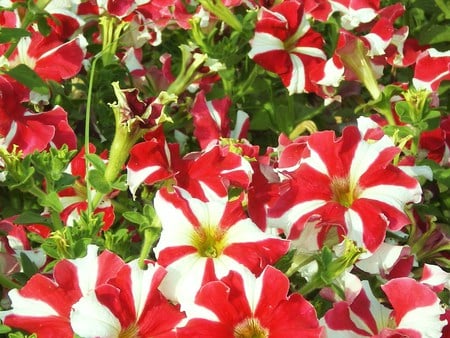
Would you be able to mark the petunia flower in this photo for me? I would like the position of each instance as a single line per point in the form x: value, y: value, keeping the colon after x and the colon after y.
x: 435, y: 277
x: 43, y: 305
x: 389, y: 261
x: 74, y: 198
x: 355, y: 12
x: 128, y: 305
x: 364, y: 316
x: 432, y: 67
x: 27, y: 129
x: 49, y: 57
x: 285, y: 44
x: 248, y: 306
x: 211, y: 120
x: 202, y: 240
x: 347, y: 184
x: 16, y: 242
x: 206, y: 175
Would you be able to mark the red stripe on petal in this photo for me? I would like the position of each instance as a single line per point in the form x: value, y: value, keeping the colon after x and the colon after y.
x: 256, y: 256
x: 169, y: 255
x: 63, y: 62
x: 59, y: 298
x: 43, y: 327
x: 396, y: 289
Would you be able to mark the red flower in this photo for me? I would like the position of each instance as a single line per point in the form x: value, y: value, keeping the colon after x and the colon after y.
x: 49, y: 57
x: 29, y: 130
x: 43, y: 305
x: 285, y: 44
x: 348, y: 184
x: 365, y: 316
x: 245, y: 306
x: 128, y: 305
x: 200, y: 240
x: 432, y: 67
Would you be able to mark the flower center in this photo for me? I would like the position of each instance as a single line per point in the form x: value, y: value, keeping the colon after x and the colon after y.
x: 250, y: 328
x: 131, y: 331
x: 342, y: 192
x: 210, y: 241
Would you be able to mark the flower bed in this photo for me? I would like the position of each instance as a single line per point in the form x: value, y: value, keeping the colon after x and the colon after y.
x: 225, y: 169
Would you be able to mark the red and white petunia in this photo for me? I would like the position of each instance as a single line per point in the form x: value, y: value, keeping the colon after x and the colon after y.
x: 355, y: 12
x: 49, y: 57
x: 129, y: 305
x: 285, y: 44
x: 347, y: 184
x: 432, y: 67
x: 436, y: 143
x: 43, y: 305
x: 389, y: 261
x: 245, y: 306
x: 435, y: 277
x: 211, y: 120
x: 64, y: 19
x: 74, y: 198
x: 16, y: 242
x: 364, y: 316
x: 201, y: 240
x: 206, y: 175
x: 26, y: 129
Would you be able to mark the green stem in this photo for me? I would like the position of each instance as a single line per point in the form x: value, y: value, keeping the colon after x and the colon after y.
x: 222, y: 12
x: 299, y: 261
x: 8, y: 283
x: 87, y: 123
x: 188, y: 70
x: 443, y: 7
x: 149, y: 239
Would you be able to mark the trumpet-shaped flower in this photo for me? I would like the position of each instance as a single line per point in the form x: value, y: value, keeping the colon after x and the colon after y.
x: 206, y: 175
x: 201, y: 240
x: 355, y: 12
x: 43, y: 305
x: 49, y: 57
x: 74, y: 198
x: 246, y: 306
x: 129, y: 305
x: 285, y: 44
x: 364, y: 316
x: 432, y: 67
x: 347, y: 184
x: 28, y: 130
x: 211, y: 121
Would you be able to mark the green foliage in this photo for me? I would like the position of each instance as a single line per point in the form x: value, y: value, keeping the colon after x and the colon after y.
x: 29, y: 78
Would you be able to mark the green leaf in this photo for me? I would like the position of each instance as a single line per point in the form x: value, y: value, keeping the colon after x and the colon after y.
x: 12, y: 34
x: 52, y: 201
x: 433, y: 119
x: 285, y: 262
x: 65, y: 181
x: 120, y: 183
x: 29, y: 268
x: 98, y: 181
x: 403, y: 110
x: 4, y: 329
x: 29, y: 78
x: 96, y: 161
x: 135, y: 217
x: 435, y: 34
x: 29, y: 217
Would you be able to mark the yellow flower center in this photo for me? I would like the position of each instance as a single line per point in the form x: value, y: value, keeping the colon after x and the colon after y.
x: 131, y: 331
x: 250, y: 328
x: 343, y: 192
x: 210, y: 241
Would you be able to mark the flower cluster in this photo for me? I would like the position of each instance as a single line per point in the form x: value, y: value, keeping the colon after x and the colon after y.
x: 224, y: 168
